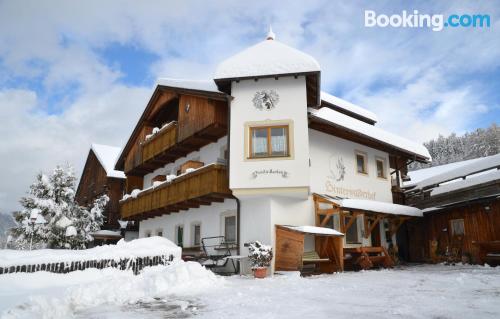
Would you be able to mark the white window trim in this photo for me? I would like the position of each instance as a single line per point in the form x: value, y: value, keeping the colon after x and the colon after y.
x: 365, y: 156
x: 384, y: 166
x: 193, y: 224
x: 223, y: 215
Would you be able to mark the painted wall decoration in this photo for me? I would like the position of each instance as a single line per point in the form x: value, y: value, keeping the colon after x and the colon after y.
x: 337, y: 168
x: 337, y: 175
x: 265, y: 171
x: 265, y: 99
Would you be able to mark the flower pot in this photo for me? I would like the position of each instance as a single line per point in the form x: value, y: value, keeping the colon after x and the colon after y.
x: 260, y: 272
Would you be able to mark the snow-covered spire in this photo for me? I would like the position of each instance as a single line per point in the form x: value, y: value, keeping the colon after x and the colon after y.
x: 270, y: 34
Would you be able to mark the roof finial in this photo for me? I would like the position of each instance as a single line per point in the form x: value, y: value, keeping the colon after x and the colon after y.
x: 270, y: 34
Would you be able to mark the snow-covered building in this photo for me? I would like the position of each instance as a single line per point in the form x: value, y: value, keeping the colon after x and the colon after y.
x: 461, y: 206
x: 99, y: 177
x: 261, y: 145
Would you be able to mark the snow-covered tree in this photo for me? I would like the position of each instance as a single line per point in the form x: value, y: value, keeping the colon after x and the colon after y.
x: 479, y: 143
x: 51, y: 217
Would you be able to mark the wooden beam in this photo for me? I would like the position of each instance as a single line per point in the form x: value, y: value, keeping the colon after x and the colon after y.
x: 372, y: 226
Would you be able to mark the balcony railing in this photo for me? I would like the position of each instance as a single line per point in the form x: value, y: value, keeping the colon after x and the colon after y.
x: 201, y: 187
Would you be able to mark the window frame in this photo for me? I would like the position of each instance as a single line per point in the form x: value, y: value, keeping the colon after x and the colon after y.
x: 225, y: 215
x: 268, y: 128
x: 159, y: 232
x: 176, y: 233
x: 355, y: 228
x: 365, y: 162
x: 384, y: 168
x: 452, y: 228
x: 193, y: 228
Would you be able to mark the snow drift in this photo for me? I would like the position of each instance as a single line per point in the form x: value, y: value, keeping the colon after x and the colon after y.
x: 143, y: 247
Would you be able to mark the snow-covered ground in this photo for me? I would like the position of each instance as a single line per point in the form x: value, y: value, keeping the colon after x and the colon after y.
x: 186, y: 289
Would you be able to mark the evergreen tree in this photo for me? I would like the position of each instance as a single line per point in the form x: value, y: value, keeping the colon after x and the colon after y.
x: 475, y: 144
x: 61, y: 222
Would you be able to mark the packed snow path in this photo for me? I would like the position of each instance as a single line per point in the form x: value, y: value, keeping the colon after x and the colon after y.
x: 188, y: 290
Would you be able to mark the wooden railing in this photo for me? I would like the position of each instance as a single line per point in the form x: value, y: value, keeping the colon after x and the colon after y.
x: 201, y: 187
x: 160, y: 142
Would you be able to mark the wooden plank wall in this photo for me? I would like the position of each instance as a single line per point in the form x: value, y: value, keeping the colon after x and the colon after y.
x: 202, y: 113
x: 162, y: 141
x: 289, y: 250
x: 480, y: 225
x: 93, y: 183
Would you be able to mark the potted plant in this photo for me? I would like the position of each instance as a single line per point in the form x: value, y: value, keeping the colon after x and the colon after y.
x: 260, y: 256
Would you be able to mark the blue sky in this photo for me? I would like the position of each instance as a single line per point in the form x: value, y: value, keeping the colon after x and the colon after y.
x: 76, y: 73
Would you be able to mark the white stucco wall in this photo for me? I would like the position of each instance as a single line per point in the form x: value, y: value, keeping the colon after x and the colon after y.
x: 326, y: 151
x: 291, y: 109
x: 209, y: 217
x: 207, y: 154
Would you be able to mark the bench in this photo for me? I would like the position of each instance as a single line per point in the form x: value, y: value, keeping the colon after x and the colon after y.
x: 311, y: 259
x: 488, y: 252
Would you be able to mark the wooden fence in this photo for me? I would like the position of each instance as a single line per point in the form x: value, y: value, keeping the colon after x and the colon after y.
x: 134, y: 264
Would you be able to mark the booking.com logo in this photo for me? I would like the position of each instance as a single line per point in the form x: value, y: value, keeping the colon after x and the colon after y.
x: 436, y: 22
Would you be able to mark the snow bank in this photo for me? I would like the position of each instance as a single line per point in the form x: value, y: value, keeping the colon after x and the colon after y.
x: 111, y: 287
x: 143, y: 247
x: 370, y: 131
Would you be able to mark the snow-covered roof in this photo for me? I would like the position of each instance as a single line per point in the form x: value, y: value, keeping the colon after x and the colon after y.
x: 107, y: 156
x: 106, y: 233
x: 315, y: 230
x: 424, y: 173
x: 370, y: 131
x: 348, y: 106
x: 373, y: 206
x: 471, y: 180
x: 471, y: 171
x: 198, y: 85
x: 269, y: 57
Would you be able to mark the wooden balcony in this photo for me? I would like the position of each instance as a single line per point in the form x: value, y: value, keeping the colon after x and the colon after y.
x: 167, y: 145
x: 202, y: 187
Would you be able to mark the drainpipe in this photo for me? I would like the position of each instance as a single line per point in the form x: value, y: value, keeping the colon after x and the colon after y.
x: 238, y: 204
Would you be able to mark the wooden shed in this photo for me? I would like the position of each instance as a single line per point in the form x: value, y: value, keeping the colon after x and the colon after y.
x: 290, y: 254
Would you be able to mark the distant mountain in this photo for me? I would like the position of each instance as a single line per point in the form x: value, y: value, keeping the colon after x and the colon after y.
x: 6, y: 222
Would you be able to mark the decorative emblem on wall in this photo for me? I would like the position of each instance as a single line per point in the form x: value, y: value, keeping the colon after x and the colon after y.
x: 265, y: 171
x: 187, y: 107
x: 337, y: 168
x: 265, y: 99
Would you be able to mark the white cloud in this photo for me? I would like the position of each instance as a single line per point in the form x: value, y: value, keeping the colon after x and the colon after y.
x: 416, y: 80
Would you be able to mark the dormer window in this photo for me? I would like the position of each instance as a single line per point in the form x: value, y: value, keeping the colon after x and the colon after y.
x: 269, y: 141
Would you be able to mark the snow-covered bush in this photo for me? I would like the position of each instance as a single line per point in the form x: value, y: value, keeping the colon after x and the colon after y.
x: 50, y: 209
x: 260, y: 255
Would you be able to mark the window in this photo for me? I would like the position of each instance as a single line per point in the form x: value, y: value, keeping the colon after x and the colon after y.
x: 352, y: 235
x: 380, y: 168
x: 196, y: 235
x: 159, y: 233
x: 361, y: 163
x: 148, y: 234
x: 457, y: 227
x: 230, y: 228
x: 270, y: 141
x: 179, y: 231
